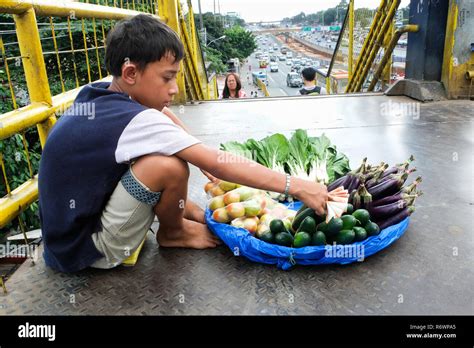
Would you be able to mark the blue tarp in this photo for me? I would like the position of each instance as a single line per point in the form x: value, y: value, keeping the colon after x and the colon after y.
x: 241, y: 242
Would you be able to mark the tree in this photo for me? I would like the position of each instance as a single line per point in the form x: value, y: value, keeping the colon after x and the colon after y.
x: 242, y: 42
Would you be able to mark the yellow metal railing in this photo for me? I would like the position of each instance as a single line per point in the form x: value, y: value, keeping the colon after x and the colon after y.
x: 84, y: 24
x: 365, y: 45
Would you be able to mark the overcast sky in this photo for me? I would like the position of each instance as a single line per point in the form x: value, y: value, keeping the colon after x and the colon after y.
x: 270, y: 10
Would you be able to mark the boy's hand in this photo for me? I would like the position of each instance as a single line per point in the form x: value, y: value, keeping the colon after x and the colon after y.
x: 312, y: 194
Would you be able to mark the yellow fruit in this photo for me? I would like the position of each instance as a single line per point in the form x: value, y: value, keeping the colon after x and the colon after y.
x: 209, y: 186
x: 251, y: 224
x: 216, y: 203
x: 231, y: 197
x: 220, y: 215
x: 216, y: 191
x: 235, y: 210
x: 227, y: 186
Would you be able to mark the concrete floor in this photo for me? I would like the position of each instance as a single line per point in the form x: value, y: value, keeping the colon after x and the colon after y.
x: 427, y: 271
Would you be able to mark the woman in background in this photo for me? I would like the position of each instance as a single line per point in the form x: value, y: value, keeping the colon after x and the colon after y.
x: 233, y: 87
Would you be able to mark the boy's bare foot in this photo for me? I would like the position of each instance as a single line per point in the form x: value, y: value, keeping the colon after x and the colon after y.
x: 194, y: 212
x: 193, y: 235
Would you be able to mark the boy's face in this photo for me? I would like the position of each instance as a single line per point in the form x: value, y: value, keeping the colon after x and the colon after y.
x: 156, y: 85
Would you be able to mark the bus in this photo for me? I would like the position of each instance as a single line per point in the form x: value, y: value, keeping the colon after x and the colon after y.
x: 262, y: 75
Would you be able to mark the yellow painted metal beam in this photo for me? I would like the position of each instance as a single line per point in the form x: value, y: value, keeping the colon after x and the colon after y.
x: 448, y: 58
x: 20, y: 198
x: 375, y: 48
x: 388, y: 52
x: 65, y: 9
x: 33, y: 65
x: 168, y: 10
x: 368, y: 42
x: 28, y: 116
x: 351, y: 37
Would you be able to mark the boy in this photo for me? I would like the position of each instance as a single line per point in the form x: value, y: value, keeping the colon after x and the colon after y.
x: 104, y: 178
x: 309, y: 81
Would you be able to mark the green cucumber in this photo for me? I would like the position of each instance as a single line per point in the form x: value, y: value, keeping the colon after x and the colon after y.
x: 360, y: 234
x: 308, y: 225
x: 345, y: 237
x: 362, y: 215
x: 348, y: 222
x: 277, y: 226
x: 284, y: 238
x: 333, y: 227
x: 318, y: 238
x: 302, y: 239
x: 301, y: 216
x: 372, y: 228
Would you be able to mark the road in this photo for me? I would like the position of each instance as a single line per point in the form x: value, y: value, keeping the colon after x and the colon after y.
x: 276, y: 80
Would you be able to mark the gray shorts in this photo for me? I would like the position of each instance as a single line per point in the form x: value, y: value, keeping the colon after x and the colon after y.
x: 126, y: 219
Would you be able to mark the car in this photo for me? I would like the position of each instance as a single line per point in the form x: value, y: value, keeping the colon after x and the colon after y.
x: 273, y: 67
x: 281, y: 58
x: 289, y: 55
x: 289, y: 62
x: 273, y: 58
x: 293, y: 80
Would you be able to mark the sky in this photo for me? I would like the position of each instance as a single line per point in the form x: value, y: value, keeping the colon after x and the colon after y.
x: 271, y: 10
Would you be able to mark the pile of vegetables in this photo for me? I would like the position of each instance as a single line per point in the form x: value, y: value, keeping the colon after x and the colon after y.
x: 364, y: 202
x: 376, y: 193
x: 309, y: 158
x: 246, y: 207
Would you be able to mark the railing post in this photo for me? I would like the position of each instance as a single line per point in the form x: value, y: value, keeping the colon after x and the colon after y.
x: 168, y: 11
x: 351, y: 36
x: 33, y: 65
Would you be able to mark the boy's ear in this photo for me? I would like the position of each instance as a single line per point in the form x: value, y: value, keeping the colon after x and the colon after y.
x: 129, y: 72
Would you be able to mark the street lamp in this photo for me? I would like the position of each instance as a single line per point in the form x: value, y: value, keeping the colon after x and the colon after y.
x: 219, y: 38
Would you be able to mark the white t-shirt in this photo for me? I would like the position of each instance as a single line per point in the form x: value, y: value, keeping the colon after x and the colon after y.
x: 150, y: 132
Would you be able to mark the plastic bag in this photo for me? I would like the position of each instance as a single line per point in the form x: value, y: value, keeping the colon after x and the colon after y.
x: 242, y: 243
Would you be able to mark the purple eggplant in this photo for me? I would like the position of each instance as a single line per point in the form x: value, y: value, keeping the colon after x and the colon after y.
x: 412, y: 187
x: 342, y: 181
x: 361, y: 198
x: 378, y: 213
x: 354, y: 185
x: 376, y: 177
x: 389, y: 186
x: 395, y: 219
x: 394, y: 198
x: 346, y: 180
x: 399, y: 167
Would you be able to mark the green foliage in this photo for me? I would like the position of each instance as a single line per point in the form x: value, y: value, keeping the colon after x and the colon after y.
x: 238, y: 43
x: 241, y: 41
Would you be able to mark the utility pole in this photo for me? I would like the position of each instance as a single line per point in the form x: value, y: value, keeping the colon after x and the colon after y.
x: 200, y: 16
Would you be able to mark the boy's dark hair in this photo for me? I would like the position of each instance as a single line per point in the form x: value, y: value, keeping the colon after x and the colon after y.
x: 141, y: 39
x: 309, y: 74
